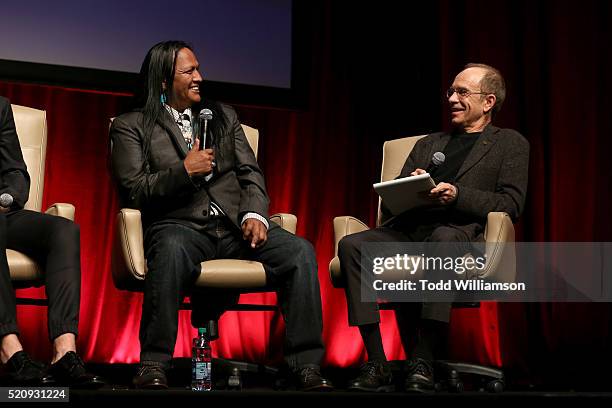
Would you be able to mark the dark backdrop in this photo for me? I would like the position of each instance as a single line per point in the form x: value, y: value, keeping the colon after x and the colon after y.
x: 378, y: 73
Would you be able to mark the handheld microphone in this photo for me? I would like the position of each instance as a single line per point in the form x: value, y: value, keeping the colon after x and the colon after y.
x: 6, y: 200
x: 205, y: 116
x: 436, y: 161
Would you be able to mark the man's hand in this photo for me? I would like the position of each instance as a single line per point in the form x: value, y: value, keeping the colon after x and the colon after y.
x: 4, y: 210
x: 199, y: 162
x: 255, y: 231
x: 444, y: 193
x: 417, y: 172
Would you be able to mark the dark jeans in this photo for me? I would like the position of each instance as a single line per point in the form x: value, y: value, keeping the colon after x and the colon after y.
x: 349, y: 253
x: 54, y: 243
x: 174, y: 253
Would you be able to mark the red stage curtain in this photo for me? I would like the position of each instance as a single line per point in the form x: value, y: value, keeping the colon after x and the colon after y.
x: 367, y: 87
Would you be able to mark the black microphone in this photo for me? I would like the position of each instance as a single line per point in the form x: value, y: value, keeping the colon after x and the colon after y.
x: 6, y: 200
x: 205, y: 116
x: 436, y: 161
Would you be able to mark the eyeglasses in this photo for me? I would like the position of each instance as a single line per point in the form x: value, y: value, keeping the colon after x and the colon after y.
x: 462, y: 92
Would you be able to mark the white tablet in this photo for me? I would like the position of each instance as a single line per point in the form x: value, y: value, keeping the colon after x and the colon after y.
x: 406, y: 193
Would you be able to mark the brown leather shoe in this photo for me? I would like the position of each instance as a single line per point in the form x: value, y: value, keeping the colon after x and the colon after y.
x: 150, y: 377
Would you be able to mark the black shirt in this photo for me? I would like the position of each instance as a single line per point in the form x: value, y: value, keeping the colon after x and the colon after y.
x: 456, y: 151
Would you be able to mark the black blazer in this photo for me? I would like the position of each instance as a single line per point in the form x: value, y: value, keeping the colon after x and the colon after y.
x: 160, y: 186
x: 493, y: 176
x: 14, y: 177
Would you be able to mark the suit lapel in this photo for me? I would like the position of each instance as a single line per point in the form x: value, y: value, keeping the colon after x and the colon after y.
x: 173, y: 130
x: 484, y: 143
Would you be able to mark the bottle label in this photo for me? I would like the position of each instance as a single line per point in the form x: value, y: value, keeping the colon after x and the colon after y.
x: 202, y: 371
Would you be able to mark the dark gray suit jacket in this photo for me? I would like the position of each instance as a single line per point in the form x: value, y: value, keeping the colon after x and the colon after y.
x: 160, y: 186
x: 14, y: 177
x: 492, y: 178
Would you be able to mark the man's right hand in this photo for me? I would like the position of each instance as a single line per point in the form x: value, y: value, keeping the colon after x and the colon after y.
x: 417, y: 172
x: 199, y: 162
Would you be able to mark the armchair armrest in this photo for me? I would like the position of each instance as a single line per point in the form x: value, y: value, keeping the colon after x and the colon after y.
x: 288, y: 222
x: 61, y: 210
x: 346, y: 225
x: 128, y: 261
x: 499, y: 228
x: 343, y: 226
x: 500, y: 248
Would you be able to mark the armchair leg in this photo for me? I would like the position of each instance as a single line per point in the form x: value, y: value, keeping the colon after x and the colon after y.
x: 449, y: 372
x: 232, y: 374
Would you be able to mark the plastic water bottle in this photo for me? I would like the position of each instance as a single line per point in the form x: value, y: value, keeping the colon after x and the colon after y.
x: 201, y: 362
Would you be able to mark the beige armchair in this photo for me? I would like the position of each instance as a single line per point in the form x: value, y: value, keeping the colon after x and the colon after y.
x: 499, y: 231
x: 500, y: 253
x: 31, y: 127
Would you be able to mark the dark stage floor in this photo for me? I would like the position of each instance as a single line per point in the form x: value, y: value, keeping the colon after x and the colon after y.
x: 185, y: 396
x: 259, y: 382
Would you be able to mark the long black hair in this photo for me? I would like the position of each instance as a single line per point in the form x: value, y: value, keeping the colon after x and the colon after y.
x: 159, y: 67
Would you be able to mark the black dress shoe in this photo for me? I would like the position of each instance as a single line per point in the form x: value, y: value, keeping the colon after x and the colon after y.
x: 310, y: 379
x: 150, y: 377
x: 22, y: 370
x: 374, y: 376
x: 420, y: 376
x: 70, y: 371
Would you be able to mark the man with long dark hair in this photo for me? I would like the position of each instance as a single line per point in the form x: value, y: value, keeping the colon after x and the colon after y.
x: 54, y: 243
x: 200, y: 204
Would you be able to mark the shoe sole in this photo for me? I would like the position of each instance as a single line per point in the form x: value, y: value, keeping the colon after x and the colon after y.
x: 419, y: 388
x: 153, y: 386
x: 318, y: 388
x: 28, y: 383
x: 384, y: 388
x: 91, y: 385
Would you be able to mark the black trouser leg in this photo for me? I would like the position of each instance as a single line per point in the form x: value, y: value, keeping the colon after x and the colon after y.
x: 174, y: 253
x: 8, y: 322
x: 444, y: 241
x: 208, y: 303
x: 291, y: 266
x: 53, y: 242
x: 349, y: 253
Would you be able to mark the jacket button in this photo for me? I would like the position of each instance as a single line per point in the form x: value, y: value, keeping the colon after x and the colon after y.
x: 205, y: 213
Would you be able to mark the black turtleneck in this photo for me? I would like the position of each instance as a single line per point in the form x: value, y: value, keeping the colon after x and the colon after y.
x: 457, y: 149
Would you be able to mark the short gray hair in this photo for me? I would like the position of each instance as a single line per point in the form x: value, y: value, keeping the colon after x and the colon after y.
x: 492, y: 82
